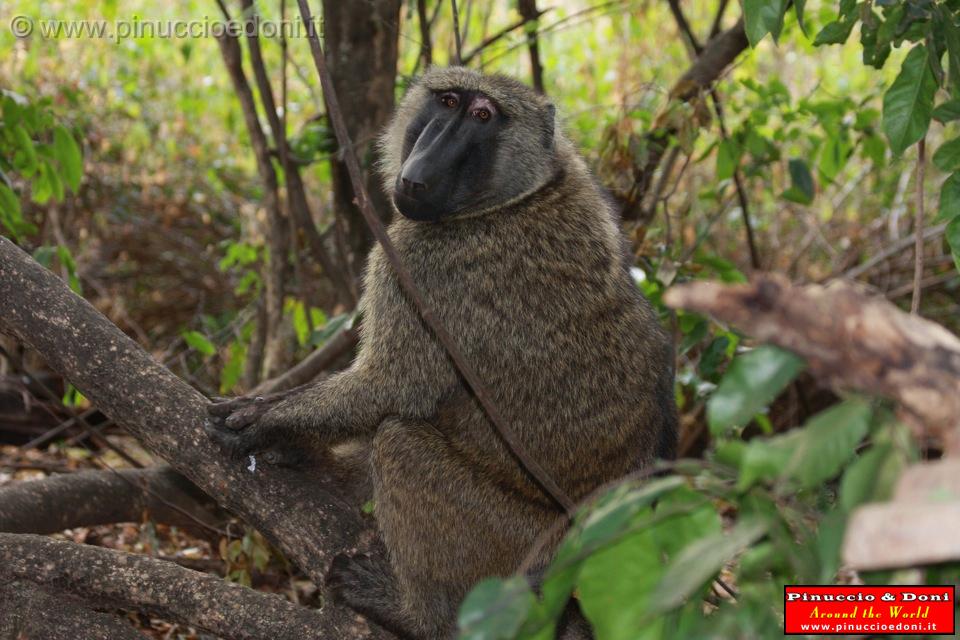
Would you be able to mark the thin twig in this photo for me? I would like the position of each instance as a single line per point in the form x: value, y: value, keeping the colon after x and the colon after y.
x: 697, y: 50
x: 528, y: 9
x: 407, y: 283
x: 493, y: 38
x: 456, y: 33
x: 918, y: 230
x: 718, y: 19
x: 893, y: 250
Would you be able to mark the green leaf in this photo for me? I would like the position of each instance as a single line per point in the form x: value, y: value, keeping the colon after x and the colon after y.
x: 495, y: 609
x: 617, y: 582
x: 947, y: 111
x: 871, y: 477
x: 833, y: 156
x: 950, y: 198
x: 11, y: 215
x: 835, y: 32
x: 829, y: 440
x: 66, y: 259
x: 615, y: 586
x: 44, y: 255
x: 324, y: 333
x: 908, y: 103
x: 233, y: 367
x: 701, y: 561
x: 301, y: 327
x: 947, y: 157
x: 753, y: 380
x: 801, y: 182
x: 53, y: 179
x: 875, y: 51
x: 761, y: 17
x: 68, y: 154
x: 26, y: 160
x: 614, y: 513
x: 811, y: 454
x: 198, y: 341
x: 799, y: 7
x: 829, y: 542
x: 622, y: 510
x: 728, y: 157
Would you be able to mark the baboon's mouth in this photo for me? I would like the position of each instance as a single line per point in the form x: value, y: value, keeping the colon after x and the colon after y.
x: 416, y: 209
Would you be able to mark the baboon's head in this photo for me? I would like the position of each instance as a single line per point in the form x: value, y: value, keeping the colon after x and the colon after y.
x: 462, y: 143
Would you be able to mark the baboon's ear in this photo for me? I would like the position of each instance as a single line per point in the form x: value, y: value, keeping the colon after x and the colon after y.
x: 549, y: 119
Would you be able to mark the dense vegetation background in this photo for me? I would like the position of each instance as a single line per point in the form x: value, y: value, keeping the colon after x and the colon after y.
x: 220, y: 233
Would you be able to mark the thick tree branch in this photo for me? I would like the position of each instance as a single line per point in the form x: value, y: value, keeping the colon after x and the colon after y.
x: 30, y: 613
x: 311, y: 514
x: 849, y: 339
x: 127, y: 581
x: 90, y: 498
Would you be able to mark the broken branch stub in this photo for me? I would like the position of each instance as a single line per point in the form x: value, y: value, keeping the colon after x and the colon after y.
x: 850, y: 339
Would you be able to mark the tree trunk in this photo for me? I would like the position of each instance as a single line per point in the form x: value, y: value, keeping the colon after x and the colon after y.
x: 360, y: 41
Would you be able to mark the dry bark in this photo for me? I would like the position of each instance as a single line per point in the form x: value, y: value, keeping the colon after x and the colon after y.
x: 163, y: 589
x: 91, y: 498
x: 849, y: 339
x: 30, y: 613
x: 310, y: 513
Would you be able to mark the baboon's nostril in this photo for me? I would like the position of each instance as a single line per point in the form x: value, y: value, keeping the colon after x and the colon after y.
x: 411, y: 186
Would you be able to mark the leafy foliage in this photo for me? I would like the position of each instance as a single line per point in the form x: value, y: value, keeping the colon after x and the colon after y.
x: 39, y: 152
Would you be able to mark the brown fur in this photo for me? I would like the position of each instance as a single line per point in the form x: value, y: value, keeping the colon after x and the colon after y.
x: 538, y: 299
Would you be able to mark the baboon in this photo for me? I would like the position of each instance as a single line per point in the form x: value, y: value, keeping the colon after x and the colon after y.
x: 518, y: 252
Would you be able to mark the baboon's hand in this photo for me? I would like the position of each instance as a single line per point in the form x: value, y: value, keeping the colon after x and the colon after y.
x: 242, y: 426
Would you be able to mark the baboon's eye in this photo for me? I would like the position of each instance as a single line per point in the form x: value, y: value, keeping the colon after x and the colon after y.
x: 482, y: 108
x: 450, y: 100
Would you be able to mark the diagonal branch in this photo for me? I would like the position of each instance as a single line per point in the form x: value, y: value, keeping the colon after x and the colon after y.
x: 311, y: 514
x: 697, y: 49
x: 410, y: 288
x: 495, y: 37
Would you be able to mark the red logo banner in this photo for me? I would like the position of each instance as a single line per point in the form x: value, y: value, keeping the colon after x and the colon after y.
x: 863, y: 610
